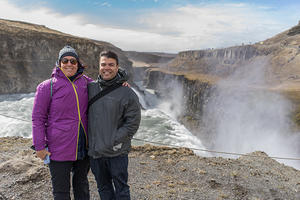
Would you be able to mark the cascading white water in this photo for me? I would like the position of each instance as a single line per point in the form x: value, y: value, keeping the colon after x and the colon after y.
x: 156, y: 125
x: 15, y: 115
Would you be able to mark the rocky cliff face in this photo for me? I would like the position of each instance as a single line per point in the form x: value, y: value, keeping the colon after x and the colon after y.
x: 141, y: 61
x: 200, y: 71
x: 28, y: 54
x: 195, y: 93
x: 220, y: 62
x: 281, y: 50
x: 149, y: 58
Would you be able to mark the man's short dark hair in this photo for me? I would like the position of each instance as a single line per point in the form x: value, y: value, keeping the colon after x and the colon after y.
x: 110, y: 54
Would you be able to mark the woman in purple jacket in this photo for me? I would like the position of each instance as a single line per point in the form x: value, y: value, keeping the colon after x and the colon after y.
x: 59, y: 122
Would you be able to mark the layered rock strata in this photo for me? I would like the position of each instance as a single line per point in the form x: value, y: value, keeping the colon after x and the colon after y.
x: 28, y: 54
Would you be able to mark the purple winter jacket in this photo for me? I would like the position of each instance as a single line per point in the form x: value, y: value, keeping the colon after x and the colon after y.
x: 56, y: 119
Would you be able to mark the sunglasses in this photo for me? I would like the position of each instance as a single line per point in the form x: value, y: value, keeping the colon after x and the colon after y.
x: 72, y: 61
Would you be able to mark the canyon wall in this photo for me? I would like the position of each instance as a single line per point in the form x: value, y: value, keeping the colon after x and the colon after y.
x: 28, y: 54
x: 276, y: 60
x: 194, y: 97
x: 220, y: 62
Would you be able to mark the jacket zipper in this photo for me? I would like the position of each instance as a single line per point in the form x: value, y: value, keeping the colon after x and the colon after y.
x: 78, y: 109
x: 86, y: 139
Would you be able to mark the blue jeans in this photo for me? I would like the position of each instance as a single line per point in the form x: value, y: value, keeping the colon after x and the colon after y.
x: 111, y: 175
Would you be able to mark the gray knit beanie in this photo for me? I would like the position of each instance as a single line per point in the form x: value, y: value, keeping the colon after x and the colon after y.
x: 67, y: 51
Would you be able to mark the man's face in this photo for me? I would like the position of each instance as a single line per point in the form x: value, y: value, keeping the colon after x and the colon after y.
x: 108, y: 68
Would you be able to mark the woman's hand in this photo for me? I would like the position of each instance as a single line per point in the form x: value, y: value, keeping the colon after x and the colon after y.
x: 42, y: 154
x: 126, y: 84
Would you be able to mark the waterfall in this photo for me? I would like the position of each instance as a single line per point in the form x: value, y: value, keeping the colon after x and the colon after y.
x: 156, y: 125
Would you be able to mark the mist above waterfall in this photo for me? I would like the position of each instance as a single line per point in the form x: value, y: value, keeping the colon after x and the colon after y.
x: 173, y: 103
x: 242, y: 115
x: 159, y: 123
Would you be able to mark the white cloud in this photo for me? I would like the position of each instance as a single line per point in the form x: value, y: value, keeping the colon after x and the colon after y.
x: 106, y: 4
x: 78, y: 25
x: 213, y: 25
x: 174, y: 30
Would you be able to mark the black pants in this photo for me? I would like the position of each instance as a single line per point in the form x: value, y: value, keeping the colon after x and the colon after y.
x: 111, y: 175
x: 60, y: 176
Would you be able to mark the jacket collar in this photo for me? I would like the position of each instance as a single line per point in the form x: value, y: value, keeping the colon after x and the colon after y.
x: 57, y: 72
x: 121, y: 77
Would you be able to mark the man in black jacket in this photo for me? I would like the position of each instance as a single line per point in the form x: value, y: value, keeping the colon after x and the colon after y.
x: 113, y: 120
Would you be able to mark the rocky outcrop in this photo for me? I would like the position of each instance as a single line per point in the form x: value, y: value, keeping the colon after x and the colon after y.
x: 28, y: 54
x: 295, y: 30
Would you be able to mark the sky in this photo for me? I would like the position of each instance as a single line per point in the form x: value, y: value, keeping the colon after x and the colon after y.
x: 167, y: 26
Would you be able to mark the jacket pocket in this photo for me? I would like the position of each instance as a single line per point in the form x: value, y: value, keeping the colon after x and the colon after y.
x: 59, y: 134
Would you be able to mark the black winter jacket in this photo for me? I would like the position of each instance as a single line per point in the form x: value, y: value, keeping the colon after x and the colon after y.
x: 113, y: 119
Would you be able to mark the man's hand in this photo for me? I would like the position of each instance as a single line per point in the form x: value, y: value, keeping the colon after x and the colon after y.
x: 42, y: 154
x: 117, y: 147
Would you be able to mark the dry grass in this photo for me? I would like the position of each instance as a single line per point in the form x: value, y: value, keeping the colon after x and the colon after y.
x: 16, y: 25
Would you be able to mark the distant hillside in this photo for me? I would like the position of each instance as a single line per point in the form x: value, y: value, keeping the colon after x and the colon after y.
x: 28, y: 53
x: 141, y: 59
x: 281, y: 51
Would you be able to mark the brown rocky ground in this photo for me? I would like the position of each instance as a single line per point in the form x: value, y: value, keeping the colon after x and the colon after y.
x: 159, y: 173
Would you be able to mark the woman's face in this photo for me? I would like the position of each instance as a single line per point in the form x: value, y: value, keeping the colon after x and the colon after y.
x: 69, y: 65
